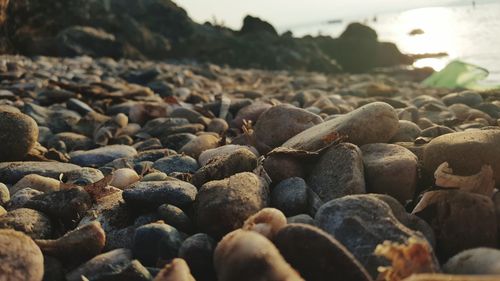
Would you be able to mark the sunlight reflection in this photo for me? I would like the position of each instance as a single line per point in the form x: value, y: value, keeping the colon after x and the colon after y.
x: 438, y: 25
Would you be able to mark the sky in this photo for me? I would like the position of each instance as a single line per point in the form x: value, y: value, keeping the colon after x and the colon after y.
x: 286, y: 14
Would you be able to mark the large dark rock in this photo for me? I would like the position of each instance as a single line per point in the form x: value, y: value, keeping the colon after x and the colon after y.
x: 85, y: 40
x: 256, y: 25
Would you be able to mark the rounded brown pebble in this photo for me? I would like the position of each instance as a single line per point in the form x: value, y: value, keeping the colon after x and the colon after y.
x: 18, y: 134
x: 21, y: 259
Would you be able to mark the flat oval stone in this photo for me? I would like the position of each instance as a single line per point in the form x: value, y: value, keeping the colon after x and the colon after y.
x: 176, y: 163
x: 101, y: 156
x: 152, y: 194
x: 318, y: 256
x: 12, y: 172
x: 357, y: 125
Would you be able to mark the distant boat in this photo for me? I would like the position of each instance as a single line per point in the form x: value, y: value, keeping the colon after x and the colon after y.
x: 416, y: 31
x: 334, y: 21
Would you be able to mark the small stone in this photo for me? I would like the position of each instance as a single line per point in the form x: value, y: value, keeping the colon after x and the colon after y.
x: 73, y: 141
x: 176, y: 270
x: 290, y: 196
x: 155, y: 193
x: 318, y: 256
x: 224, y: 205
x: 155, y: 242
x: 218, y: 126
x: 19, y: 199
x: 466, y: 152
x: 250, y: 113
x: 175, y: 217
x: 460, y: 220
x: 101, y: 156
x: 407, y: 132
x: 281, y: 167
x: 246, y: 255
x: 390, y: 169
x: 338, y: 172
x: 123, y: 178
x: 360, y: 223
x: 77, y: 245
x: 197, y: 251
x: 221, y: 167
x: 357, y: 126
x: 279, y: 123
x: 227, y: 149
x: 478, y: 261
x: 83, y: 176
x: 18, y: 134
x: 68, y: 205
x: 33, y: 223
x: 36, y: 182
x: 302, y: 218
x: 4, y: 194
x: 466, y: 97
x: 177, y: 141
x: 21, y: 257
x: 176, y: 163
x: 12, y: 172
x: 436, y: 131
x: 201, y: 143
x: 108, y: 263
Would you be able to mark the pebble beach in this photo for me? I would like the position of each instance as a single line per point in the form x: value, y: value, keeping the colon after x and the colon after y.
x: 142, y: 170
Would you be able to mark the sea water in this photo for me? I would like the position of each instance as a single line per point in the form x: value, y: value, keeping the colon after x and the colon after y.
x: 467, y: 32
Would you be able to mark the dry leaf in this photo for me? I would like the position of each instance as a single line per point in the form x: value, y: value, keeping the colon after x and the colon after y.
x: 481, y: 183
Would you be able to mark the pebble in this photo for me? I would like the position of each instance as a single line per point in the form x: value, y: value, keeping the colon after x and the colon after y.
x: 175, y: 217
x: 102, y: 265
x: 407, y: 132
x: 338, y: 172
x: 290, y: 196
x: 466, y: 97
x: 155, y: 193
x: 318, y: 256
x: 246, y: 255
x: 18, y: 134
x: 123, y: 178
x: 21, y: 257
x: 478, y: 261
x: 223, y: 205
x: 176, y: 163
x: 279, y: 123
x: 197, y: 251
x: 201, y: 143
x: 101, y: 156
x: 241, y: 160
x: 357, y: 125
x: 390, y: 169
x: 155, y: 242
x: 451, y: 213
x: 224, y: 150
x: 360, y: 223
x: 33, y: 223
x: 4, y: 194
x: 68, y: 205
x: 36, y: 182
x: 19, y: 199
x: 466, y: 152
x: 12, y: 172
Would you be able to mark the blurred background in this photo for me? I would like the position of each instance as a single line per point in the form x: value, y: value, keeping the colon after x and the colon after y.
x: 444, y: 30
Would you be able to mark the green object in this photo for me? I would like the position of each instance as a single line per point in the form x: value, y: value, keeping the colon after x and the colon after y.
x: 458, y: 74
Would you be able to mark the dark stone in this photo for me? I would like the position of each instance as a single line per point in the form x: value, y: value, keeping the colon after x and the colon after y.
x: 318, y: 256
x: 154, y: 242
x: 197, y: 251
x: 155, y: 193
